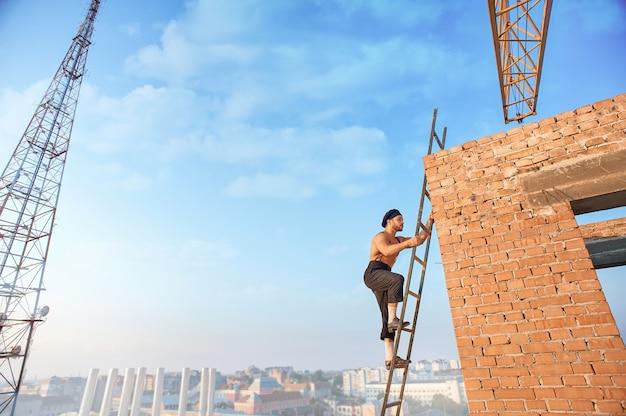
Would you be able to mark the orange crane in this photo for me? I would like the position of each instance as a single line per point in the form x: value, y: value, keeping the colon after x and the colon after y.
x: 520, y: 29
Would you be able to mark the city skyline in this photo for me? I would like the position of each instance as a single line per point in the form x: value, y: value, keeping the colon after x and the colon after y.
x: 231, y: 162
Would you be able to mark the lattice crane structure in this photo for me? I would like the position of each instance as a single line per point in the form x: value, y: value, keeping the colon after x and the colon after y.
x: 29, y: 192
x: 520, y: 29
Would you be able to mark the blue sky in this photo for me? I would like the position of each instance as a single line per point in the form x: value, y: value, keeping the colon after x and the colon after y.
x: 231, y: 160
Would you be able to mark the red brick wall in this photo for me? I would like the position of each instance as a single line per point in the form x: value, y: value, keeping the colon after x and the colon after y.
x: 612, y: 228
x: 534, y: 332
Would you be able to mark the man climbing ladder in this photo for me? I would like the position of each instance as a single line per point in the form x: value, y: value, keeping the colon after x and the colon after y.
x: 386, y: 285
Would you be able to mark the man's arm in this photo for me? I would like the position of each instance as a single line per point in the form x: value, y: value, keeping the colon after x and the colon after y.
x: 421, y: 237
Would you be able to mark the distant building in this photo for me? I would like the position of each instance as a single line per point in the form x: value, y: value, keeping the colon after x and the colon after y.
x: 253, y: 371
x: 422, y: 391
x: 441, y: 365
x: 61, y: 386
x: 28, y: 405
x: 227, y: 395
x: 354, y: 381
x: 320, y: 389
x: 424, y: 365
x: 352, y: 407
x: 281, y: 374
x: 312, y: 390
x: 277, y: 401
x: 303, y: 388
x: 263, y: 385
x: 36, y: 405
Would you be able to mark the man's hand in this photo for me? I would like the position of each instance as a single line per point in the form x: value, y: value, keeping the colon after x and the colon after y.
x: 431, y: 220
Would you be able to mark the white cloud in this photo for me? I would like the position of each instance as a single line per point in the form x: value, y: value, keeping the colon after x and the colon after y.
x: 406, y: 12
x: 596, y: 16
x: 267, y: 185
x: 164, y: 124
x: 130, y: 29
x: 202, y: 253
x: 16, y: 108
x: 278, y: 72
x: 276, y: 111
x: 134, y: 136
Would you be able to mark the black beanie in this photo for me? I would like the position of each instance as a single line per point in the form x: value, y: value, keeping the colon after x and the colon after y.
x: 389, y: 215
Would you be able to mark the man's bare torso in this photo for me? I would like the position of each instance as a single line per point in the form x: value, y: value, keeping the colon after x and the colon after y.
x: 376, y: 255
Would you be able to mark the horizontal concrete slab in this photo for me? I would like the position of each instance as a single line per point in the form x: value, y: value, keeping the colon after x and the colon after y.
x: 579, y: 180
x: 600, y: 202
x: 607, y: 252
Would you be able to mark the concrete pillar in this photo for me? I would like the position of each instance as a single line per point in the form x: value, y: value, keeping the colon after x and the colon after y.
x: 127, y: 389
x: 204, y: 384
x: 212, y: 374
x: 90, y: 389
x: 184, y: 386
x: 105, y: 408
x: 158, y: 392
x: 138, y: 393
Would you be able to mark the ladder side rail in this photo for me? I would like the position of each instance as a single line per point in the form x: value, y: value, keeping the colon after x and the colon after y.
x: 408, y: 281
x: 415, y: 316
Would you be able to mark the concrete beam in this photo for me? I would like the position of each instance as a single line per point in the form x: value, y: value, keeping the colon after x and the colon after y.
x: 607, y: 252
x: 105, y: 408
x: 586, y: 177
x: 204, y: 390
x: 184, y: 386
x: 158, y: 392
x: 138, y: 392
x: 127, y: 390
x: 211, y: 391
x: 90, y: 389
x: 599, y: 203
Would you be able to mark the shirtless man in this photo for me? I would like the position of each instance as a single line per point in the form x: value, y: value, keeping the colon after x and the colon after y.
x: 386, y: 285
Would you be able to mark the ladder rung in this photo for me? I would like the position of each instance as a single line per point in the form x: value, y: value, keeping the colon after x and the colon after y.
x: 392, y: 404
x: 417, y: 295
x: 420, y: 261
x: 427, y: 194
x: 407, y: 329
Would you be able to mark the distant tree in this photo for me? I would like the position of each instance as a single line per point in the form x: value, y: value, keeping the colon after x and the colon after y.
x: 413, y: 407
x: 318, y: 376
x: 448, y: 406
x: 337, y: 388
x: 297, y: 377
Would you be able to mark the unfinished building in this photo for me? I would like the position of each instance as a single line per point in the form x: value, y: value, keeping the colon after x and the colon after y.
x: 534, y: 332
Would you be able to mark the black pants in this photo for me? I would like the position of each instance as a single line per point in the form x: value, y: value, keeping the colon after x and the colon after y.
x: 387, y: 287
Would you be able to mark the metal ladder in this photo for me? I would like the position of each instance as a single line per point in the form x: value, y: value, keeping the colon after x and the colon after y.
x: 408, y: 293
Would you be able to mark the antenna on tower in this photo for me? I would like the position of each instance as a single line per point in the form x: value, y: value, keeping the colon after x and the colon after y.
x: 29, y: 192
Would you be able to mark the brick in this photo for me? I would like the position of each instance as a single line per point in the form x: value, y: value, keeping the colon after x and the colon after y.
x: 507, y: 372
x: 558, y: 405
x: 536, y: 405
x: 608, y: 368
x: 579, y: 393
x: 581, y: 405
x: 615, y: 393
x: 574, y: 381
x: 552, y: 369
x: 544, y: 392
x: 516, y: 393
x: 612, y: 407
